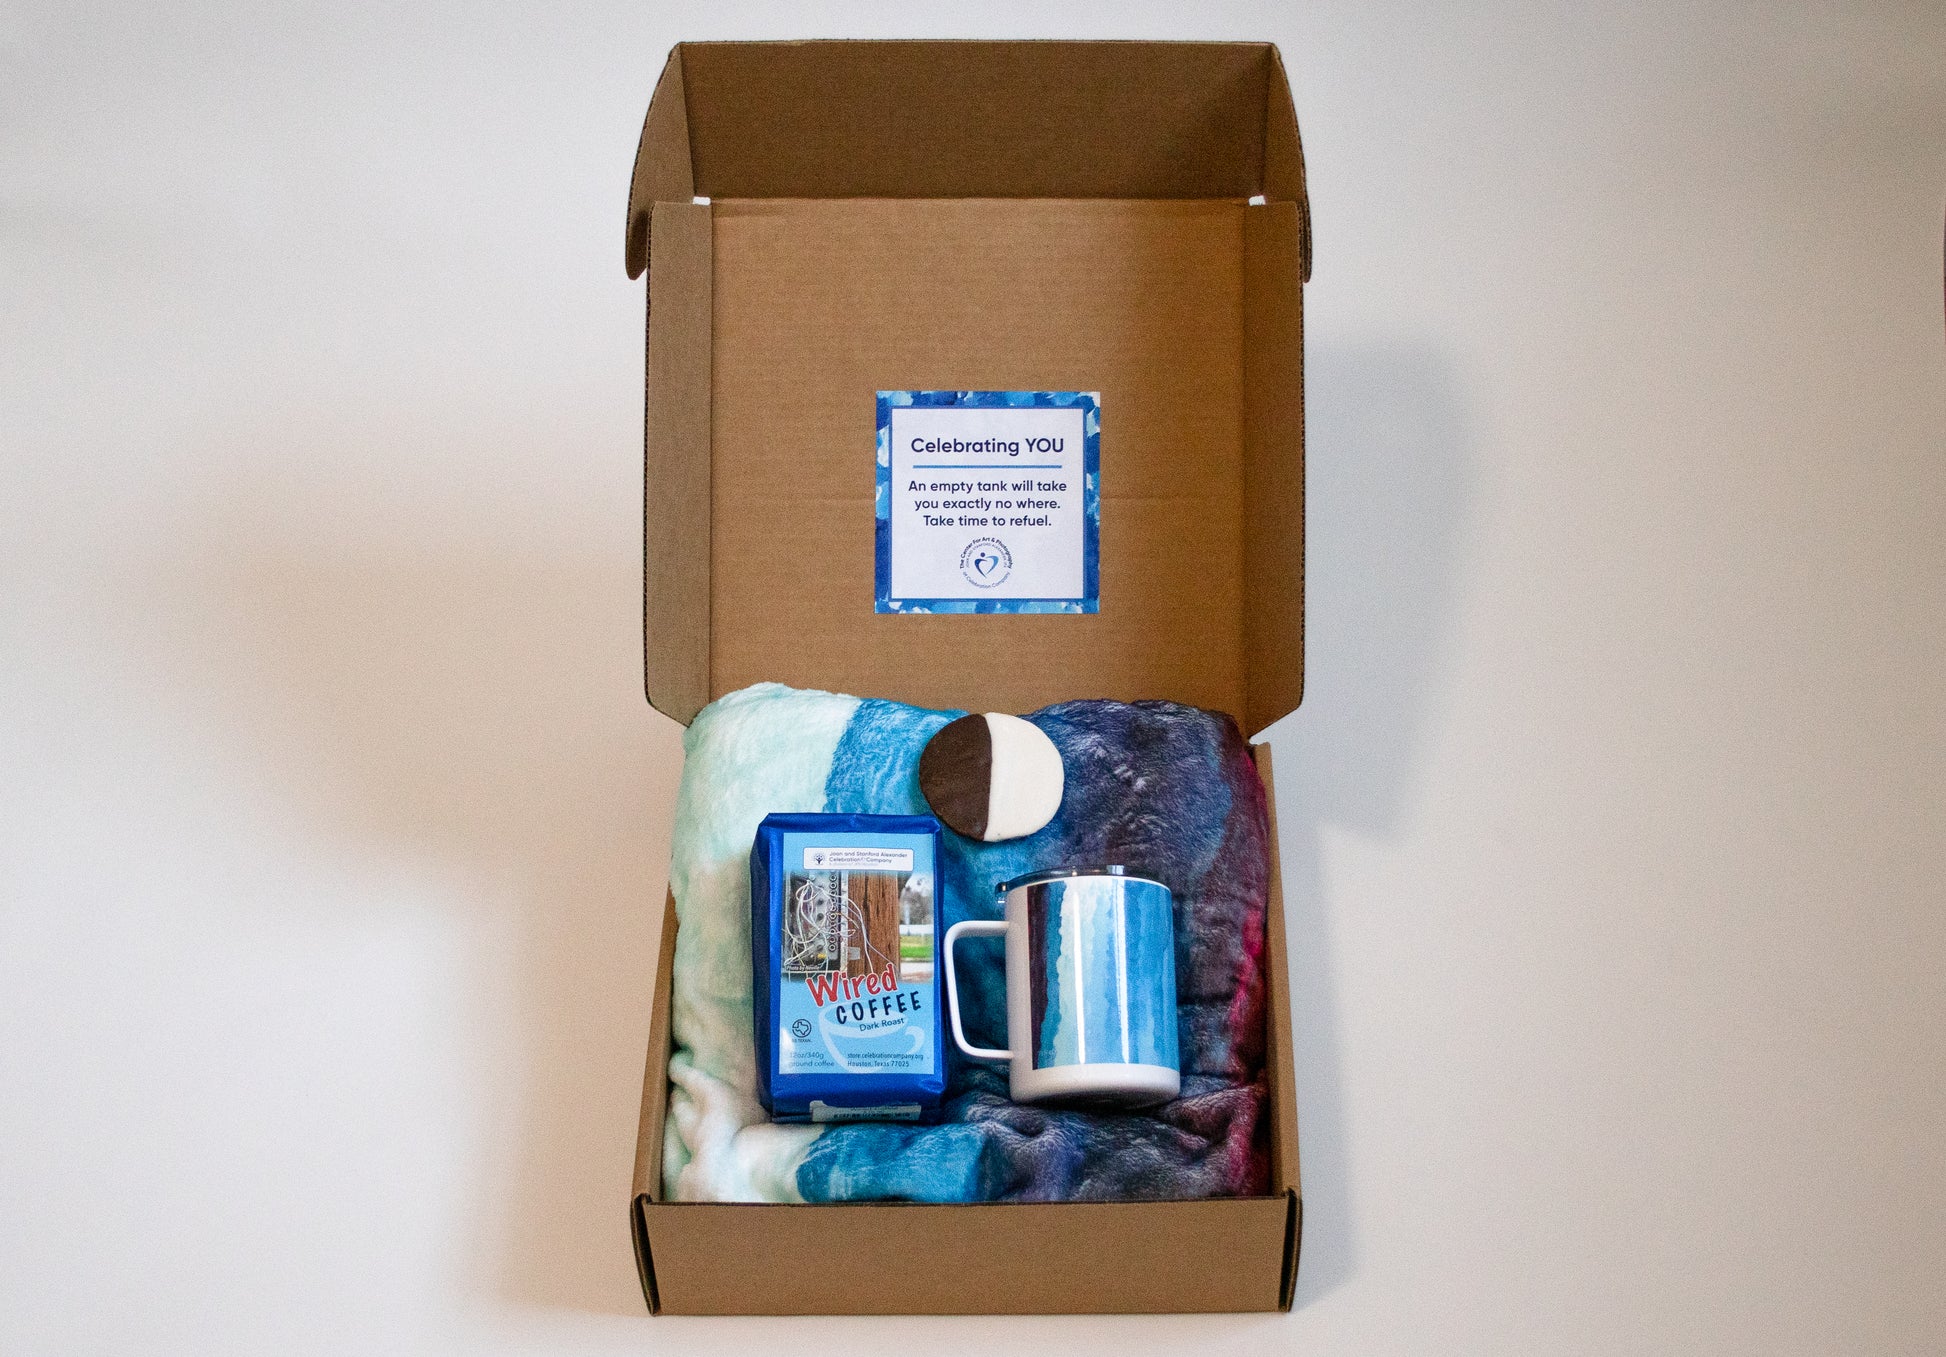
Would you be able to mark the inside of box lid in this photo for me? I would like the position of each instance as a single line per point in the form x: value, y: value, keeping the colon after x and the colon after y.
x: 976, y: 119
x: 968, y: 119
x: 1182, y: 315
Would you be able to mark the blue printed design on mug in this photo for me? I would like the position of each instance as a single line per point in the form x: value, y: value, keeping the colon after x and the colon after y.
x: 1149, y: 932
x: 1102, y: 983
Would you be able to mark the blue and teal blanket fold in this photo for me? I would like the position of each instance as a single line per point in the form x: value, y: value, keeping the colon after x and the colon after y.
x: 1165, y: 789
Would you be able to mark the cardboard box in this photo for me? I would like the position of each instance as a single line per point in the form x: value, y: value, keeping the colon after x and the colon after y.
x: 1120, y: 217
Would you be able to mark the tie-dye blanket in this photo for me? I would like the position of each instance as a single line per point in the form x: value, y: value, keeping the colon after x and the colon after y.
x: 1166, y: 789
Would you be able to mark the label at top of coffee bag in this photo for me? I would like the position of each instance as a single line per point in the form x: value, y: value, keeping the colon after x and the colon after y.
x: 989, y: 501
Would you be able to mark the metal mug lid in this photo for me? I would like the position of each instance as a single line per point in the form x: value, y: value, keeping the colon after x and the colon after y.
x: 1109, y: 869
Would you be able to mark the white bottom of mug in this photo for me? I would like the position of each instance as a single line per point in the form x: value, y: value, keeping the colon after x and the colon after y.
x: 1098, y: 1082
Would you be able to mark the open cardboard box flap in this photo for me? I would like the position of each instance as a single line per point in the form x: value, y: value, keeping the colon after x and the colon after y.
x: 1125, y: 218
x: 968, y: 120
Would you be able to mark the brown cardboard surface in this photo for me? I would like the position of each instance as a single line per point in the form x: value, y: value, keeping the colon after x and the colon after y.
x: 1279, y: 1068
x: 655, y: 1076
x: 1185, y: 314
x: 973, y: 215
x: 977, y: 119
x: 1283, y: 177
x: 967, y: 120
x: 1141, y: 301
x: 1272, y: 502
x: 676, y: 520
x: 1015, y: 1258
x: 662, y: 168
x: 1277, y: 976
x: 1029, y: 1258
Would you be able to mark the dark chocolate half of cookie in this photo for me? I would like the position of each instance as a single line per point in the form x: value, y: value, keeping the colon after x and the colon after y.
x: 956, y: 774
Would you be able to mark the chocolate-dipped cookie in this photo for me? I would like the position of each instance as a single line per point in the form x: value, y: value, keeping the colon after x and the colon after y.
x: 991, y: 777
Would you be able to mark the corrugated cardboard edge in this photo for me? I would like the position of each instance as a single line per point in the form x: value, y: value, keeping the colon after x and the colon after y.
x: 1284, y: 1168
x: 663, y: 169
x: 1283, y: 1146
x: 1283, y: 173
x: 665, y: 154
x: 677, y: 494
x: 1176, y: 1257
x: 1273, y: 463
x: 677, y: 453
x: 676, y: 514
x: 655, y: 1105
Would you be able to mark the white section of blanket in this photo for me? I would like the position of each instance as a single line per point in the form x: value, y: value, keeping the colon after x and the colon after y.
x: 759, y: 750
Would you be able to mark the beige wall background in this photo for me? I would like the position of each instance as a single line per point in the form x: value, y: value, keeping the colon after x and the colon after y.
x: 334, y: 821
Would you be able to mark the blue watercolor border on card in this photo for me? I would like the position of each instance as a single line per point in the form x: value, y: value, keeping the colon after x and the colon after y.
x: 1090, y: 600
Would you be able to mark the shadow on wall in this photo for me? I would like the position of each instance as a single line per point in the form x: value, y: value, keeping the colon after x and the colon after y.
x: 479, y: 712
x: 1388, y: 490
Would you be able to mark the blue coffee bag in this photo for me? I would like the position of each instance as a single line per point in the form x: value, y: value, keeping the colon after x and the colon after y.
x: 845, y: 967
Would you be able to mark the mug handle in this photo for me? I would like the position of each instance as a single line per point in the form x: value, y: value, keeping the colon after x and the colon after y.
x: 977, y: 928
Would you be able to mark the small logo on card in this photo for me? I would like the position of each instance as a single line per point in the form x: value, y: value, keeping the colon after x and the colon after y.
x: 986, y: 562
